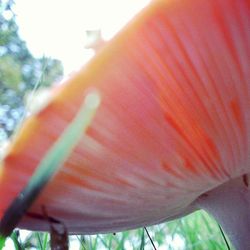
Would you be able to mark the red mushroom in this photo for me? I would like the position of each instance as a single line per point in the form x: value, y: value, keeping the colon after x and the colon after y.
x: 172, y: 133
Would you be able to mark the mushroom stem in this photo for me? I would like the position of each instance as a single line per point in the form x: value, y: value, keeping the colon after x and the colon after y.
x: 230, y: 206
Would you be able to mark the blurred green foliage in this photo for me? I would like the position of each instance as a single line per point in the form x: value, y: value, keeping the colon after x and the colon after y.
x: 197, y: 231
x: 20, y: 72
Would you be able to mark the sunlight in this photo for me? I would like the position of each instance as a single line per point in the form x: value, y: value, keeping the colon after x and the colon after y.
x: 57, y: 28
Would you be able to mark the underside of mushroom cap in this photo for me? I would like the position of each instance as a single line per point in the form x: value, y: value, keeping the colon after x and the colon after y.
x: 173, y: 123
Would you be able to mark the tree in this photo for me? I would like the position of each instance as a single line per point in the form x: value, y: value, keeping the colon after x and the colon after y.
x: 20, y: 72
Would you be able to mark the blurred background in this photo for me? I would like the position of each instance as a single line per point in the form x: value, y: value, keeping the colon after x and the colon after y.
x: 42, y: 42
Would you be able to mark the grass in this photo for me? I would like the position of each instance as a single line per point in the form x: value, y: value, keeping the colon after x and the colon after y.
x: 197, y: 231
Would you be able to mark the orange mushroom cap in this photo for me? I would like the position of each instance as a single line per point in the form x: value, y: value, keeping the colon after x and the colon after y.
x: 174, y: 122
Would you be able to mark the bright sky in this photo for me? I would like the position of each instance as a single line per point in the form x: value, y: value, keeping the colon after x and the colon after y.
x: 56, y: 28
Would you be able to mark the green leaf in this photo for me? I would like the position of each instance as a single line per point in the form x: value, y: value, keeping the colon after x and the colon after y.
x: 2, y: 241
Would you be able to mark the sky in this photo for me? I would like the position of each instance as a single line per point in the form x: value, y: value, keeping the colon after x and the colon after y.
x: 56, y: 28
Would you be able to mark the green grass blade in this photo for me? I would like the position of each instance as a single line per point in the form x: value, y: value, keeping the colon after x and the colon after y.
x: 17, y: 244
x: 142, y: 240
x: 50, y: 164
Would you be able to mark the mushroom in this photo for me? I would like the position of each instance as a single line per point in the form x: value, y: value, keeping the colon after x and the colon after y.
x: 171, y: 135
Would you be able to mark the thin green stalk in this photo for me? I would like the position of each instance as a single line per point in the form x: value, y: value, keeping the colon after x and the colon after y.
x: 224, y: 237
x: 49, y: 165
